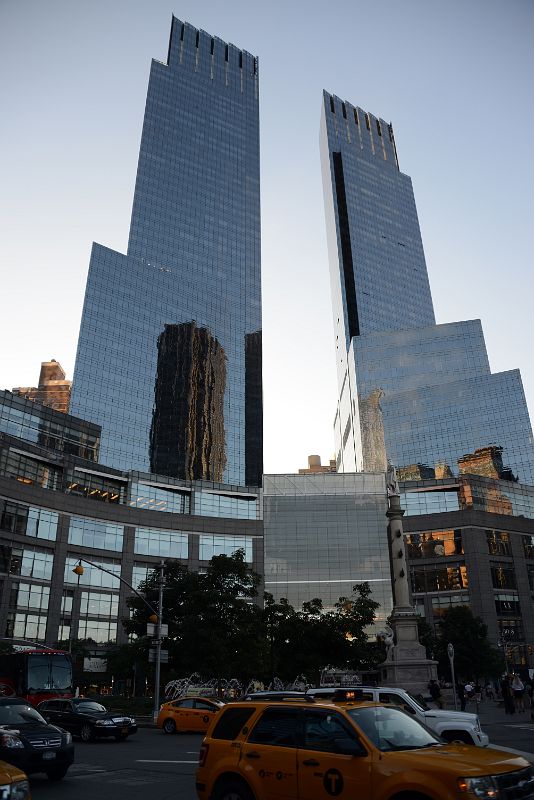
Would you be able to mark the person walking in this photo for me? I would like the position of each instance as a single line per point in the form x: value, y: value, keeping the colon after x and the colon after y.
x: 506, y: 692
x: 518, y: 689
x: 460, y: 691
x: 435, y: 693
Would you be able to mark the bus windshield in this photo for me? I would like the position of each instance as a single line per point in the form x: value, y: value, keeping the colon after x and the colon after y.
x: 49, y: 672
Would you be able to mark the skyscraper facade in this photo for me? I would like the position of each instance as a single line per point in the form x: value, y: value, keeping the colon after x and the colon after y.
x: 169, y: 352
x: 409, y: 390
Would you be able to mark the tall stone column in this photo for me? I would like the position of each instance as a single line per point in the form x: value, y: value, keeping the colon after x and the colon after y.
x: 406, y: 664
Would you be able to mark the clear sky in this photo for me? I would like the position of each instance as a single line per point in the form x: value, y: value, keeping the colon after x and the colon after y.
x: 454, y: 77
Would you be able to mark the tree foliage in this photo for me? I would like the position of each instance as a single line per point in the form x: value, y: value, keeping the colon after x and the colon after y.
x: 218, y: 628
x: 474, y: 656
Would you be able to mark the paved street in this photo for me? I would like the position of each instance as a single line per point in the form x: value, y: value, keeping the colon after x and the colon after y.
x: 163, y: 767
x: 149, y: 764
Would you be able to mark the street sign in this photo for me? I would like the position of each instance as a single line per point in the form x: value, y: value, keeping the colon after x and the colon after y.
x: 152, y: 656
x: 152, y: 629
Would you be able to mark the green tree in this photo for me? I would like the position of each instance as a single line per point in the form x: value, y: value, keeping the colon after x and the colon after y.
x: 474, y: 656
x: 215, y: 624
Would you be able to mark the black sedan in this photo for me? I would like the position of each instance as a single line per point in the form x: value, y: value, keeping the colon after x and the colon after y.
x: 87, y: 719
x: 28, y: 742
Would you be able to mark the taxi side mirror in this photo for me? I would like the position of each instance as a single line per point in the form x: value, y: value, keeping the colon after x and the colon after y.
x: 349, y: 747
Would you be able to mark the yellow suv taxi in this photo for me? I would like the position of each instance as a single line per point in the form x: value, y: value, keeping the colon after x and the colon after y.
x: 13, y: 783
x: 188, y: 714
x: 306, y: 750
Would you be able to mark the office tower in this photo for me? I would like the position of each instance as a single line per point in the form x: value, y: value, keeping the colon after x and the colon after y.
x: 53, y: 390
x: 169, y: 353
x: 409, y: 390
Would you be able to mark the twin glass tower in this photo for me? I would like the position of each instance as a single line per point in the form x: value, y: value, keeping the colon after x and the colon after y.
x: 169, y: 358
x: 169, y: 353
x: 412, y: 391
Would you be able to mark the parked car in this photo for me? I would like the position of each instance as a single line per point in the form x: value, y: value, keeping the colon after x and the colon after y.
x: 188, y: 714
x: 450, y: 725
x: 88, y: 719
x: 308, y: 750
x: 14, y: 783
x: 28, y: 742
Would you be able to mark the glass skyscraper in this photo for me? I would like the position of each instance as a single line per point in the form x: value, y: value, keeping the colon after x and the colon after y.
x: 409, y: 390
x: 169, y: 352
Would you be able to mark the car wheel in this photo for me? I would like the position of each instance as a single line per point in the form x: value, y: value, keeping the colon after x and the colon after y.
x: 56, y: 773
x: 459, y: 737
x: 86, y: 733
x: 232, y: 790
x: 169, y: 726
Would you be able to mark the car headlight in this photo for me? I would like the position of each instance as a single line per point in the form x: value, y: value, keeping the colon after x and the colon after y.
x: 479, y: 787
x: 477, y: 725
x: 67, y: 736
x: 132, y: 721
x: 104, y: 722
x: 20, y: 790
x: 8, y: 740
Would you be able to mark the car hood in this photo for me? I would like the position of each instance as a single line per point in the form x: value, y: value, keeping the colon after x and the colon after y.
x: 31, y: 727
x: 465, y: 760
x: 460, y: 716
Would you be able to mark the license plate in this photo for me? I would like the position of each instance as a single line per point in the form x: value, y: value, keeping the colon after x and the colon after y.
x: 48, y: 755
x: 124, y: 730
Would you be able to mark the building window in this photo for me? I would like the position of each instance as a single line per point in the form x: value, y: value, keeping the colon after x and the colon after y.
x: 217, y: 545
x: 154, y: 542
x: 29, y: 470
x: 498, y: 543
x: 28, y: 520
x: 432, y: 544
x: 528, y: 546
x: 29, y: 596
x: 503, y: 576
x: 100, y: 631
x: 99, y: 604
x: 93, y: 533
x: 26, y: 626
x: 442, y: 604
x: 154, y: 498
x: 444, y: 578
x: 92, y: 576
x: 208, y: 504
x: 511, y: 630
x: 506, y: 604
x: 31, y: 563
x: 96, y: 487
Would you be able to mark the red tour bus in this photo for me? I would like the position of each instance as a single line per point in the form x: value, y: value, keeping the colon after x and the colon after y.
x: 36, y: 673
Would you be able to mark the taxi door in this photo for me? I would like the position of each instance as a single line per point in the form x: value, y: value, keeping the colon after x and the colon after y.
x: 324, y: 772
x: 269, y: 756
x: 204, y: 711
x: 184, y: 715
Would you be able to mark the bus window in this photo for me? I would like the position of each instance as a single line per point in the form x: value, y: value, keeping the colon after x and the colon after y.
x: 61, y: 670
x: 38, y: 672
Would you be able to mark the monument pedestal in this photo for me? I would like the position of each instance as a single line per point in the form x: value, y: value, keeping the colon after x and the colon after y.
x: 406, y: 664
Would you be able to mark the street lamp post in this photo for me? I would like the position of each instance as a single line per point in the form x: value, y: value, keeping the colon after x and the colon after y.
x: 155, y: 614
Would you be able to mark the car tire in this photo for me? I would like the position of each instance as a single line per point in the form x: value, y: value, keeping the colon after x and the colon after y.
x: 56, y: 773
x: 86, y: 733
x: 460, y: 737
x: 229, y: 789
x: 169, y: 726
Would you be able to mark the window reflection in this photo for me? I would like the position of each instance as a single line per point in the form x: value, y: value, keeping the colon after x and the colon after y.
x: 444, y: 578
x: 430, y: 544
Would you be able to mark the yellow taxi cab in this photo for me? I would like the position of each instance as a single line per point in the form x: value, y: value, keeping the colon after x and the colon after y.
x: 188, y: 714
x: 307, y: 750
x: 14, y: 783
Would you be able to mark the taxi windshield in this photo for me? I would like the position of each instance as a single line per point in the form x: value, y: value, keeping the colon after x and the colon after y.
x: 391, y: 729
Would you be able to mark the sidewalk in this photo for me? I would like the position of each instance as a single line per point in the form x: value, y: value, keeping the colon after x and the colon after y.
x: 489, y: 711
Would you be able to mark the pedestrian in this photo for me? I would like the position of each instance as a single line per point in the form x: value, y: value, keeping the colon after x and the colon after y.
x: 469, y: 691
x: 506, y: 692
x: 528, y: 692
x: 478, y: 694
x: 435, y: 693
x: 518, y: 690
x: 490, y: 694
x: 460, y: 691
